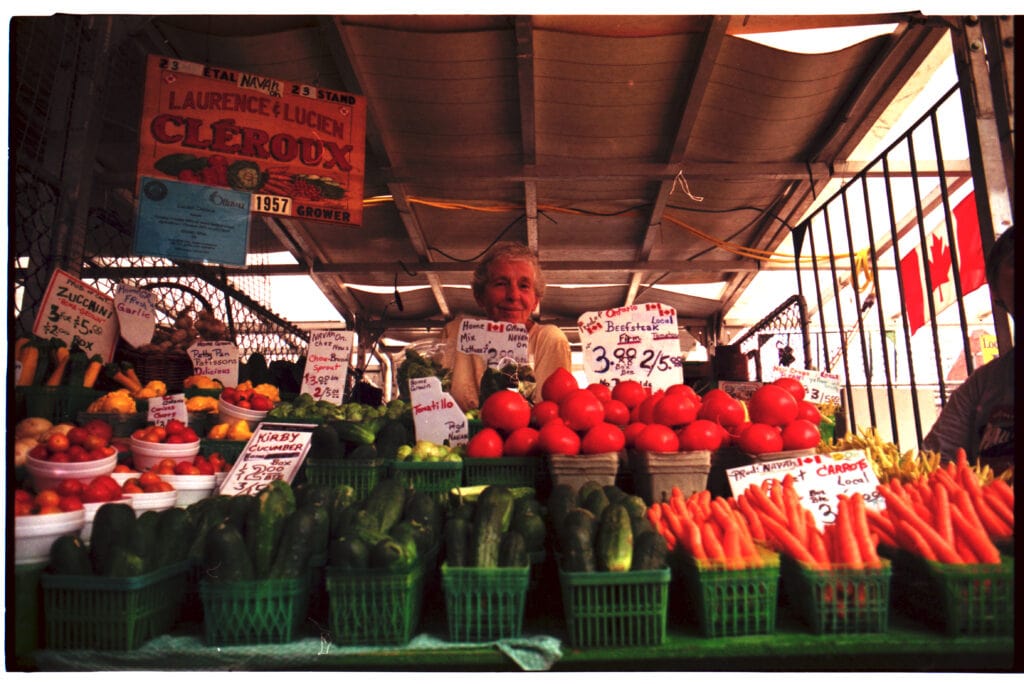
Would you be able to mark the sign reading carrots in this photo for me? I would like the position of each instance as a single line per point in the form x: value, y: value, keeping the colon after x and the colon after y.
x: 299, y: 150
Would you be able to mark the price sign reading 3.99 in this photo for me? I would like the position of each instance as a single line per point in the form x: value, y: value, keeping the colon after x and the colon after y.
x: 638, y: 342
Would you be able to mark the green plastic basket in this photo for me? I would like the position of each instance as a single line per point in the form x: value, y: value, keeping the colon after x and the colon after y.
x: 361, y: 475
x: 57, y: 404
x: 959, y: 599
x: 615, y: 608
x: 508, y: 471
x: 371, y: 607
x: 27, y: 607
x: 267, y: 611
x: 484, y: 604
x: 111, y: 613
x: 433, y: 477
x: 838, y: 600
x: 730, y: 602
x: 229, y: 449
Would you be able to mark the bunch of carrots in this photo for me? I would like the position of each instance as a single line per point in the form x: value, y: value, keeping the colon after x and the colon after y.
x: 947, y: 516
x: 711, y: 530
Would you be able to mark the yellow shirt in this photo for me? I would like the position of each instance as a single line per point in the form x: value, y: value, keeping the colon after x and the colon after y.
x: 547, y: 346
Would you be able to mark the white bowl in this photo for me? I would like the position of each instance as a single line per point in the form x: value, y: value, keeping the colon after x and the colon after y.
x: 147, y: 455
x: 230, y: 412
x: 121, y: 478
x: 220, y: 479
x: 47, y: 475
x: 90, y: 514
x: 35, y: 534
x: 153, y: 501
x: 191, y: 488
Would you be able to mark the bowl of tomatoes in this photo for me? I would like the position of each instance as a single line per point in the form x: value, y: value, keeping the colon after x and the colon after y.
x: 152, y: 444
x: 38, y: 520
x: 242, y: 403
x: 150, y: 492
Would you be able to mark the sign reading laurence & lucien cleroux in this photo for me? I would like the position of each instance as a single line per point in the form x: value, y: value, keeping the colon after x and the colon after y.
x: 296, y: 150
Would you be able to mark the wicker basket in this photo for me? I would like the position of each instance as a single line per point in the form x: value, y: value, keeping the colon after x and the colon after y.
x: 170, y: 367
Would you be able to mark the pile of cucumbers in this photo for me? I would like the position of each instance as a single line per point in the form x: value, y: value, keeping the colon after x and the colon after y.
x: 496, y: 530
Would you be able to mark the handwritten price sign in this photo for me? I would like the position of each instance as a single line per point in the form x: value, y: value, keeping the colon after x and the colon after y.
x: 216, y: 359
x: 638, y: 342
x: 77, y: 314
x: 327, y: 364
x: 169, y: 407
x: 274, y: 452
x: 818, y: 479
x: 496, y: 341
x: 135, y: 314
x: 436, y: 416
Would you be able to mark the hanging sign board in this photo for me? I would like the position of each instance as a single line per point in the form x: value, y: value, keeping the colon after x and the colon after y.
x: 79, y: 315
x: 739, y: 389
x: 274, y: 452
x: 189, y: 222
x: 436, y: 416
x: 820, y: 387
x: 216, y: 359
x: 638, y: 342
x: 162, y: 409
x: 327, y: 364
x: 295, y: 150
x: 498, y: 342
x: 819, y: 479
x: 136, y: 317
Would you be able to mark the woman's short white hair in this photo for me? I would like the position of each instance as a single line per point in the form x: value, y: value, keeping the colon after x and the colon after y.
x: 508, y: 251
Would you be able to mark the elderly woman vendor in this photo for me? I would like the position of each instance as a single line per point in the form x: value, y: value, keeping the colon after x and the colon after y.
x: 508, y: 285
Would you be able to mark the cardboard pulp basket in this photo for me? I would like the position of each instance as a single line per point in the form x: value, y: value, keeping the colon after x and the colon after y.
x: 726, y: 601
x: 484, y: 604
x: 656, y: 473
x: 578, y: 470
x: 960, y: 599
x: 838, y: 600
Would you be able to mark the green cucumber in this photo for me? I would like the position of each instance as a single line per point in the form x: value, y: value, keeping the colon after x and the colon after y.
x: 576, y: 541
x: 124, y: 562
x: 650, y: 552
x: 512, y: 551
x: 456, y: 542
x: 528, y: 520
x: 112, y: 524
x: 386, y: 502
x: 349, y: 553
x: 614, y: 545
x: 291, y: 557
x: 68, y: 556
x: 353, y: 432
x: 492, y: 519
x: 225, y: 556
x: 265, y: 524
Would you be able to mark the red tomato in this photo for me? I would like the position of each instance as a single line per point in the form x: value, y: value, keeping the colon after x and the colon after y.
x: 808, y: 411
x: 645, y: 411
x: 683, y: 388
x: 581, y: 410
x: 71, y: 503
x: 39, y: 451
x: 602, y: 392
x: 185, y: 468
x: 701, y: 435
x: 725, y: 411
x: 715, y: 394
x: 522, y: 442
x: 616, y: 412
x: 800, y: 434
x: 629, y: 392
x: 602, y: 438
x: 261, y: 402
x: 657, y: 437
x: 558, y: 385
x: 174, y: 426
x: 675, y: 409
x: 485, y: 444
x: 100, y: 428
x: 95, y: 441
x: 760, y: 438
x: 558, y: 438
x: 791, y: 385
x: 543, y: 412
x: 77, y: 435
x: 57, y: 442
x: 631, y: 431
x: 772, y: 405
x: 69, y: 488
x: 505, y: 410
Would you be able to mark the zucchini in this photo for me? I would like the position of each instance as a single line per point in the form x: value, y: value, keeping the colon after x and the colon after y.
x: 456, y: 542
x: 68, y: 556
x: 650, y: 552
x: 577, y: 541
x: 385, y: 502
x: 291, y: 557
x: 512, y: 552
x: 342, y: 497
x: 501, y: 497
x: 362, y: 452
x: 225, y: 556
x: 614, y: 546
x: 174, y: 535
x: 143, y: 540
x: 614, y: 493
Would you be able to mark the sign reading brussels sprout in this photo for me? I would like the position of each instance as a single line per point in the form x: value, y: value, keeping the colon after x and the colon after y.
x: 296, y: 150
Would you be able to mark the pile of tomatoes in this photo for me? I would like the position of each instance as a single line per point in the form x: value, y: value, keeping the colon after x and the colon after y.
x: 148, y: 482
x: 245, y: 397
x: 90, y: 442
x: 573, y: 420
x: 200, y: 465
x: 173, y: 432
x: 68, y: 495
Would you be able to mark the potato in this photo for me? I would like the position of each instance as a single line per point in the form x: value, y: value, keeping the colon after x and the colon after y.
x: 31, y: 427
x: 62, y: 428
x: 21, y: 449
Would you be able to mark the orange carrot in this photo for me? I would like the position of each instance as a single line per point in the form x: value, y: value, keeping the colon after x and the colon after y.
x: 847, y: 548
x: 731, y: 547
x: 712, y: 544
x: 965, y: 551
x: 694, y: 542
x: 916, y: 542
x: 993, y: 524
x: 675, y: 493
x: 998, y: 506
x: 943, y: 522
x: 775, y: 493
x: 672, y: 521
x: 880, y: 522
x: 787, y: 542
x: 975, y: 538
x: 816, y: 545
x: 861, y: 532
x: 752, y: 518
x: 1004, y: 491
x: 765, y: 505
x: 941, y: 549
x: 794, y: 514
x: 679, y: 507
x: 654, y: 514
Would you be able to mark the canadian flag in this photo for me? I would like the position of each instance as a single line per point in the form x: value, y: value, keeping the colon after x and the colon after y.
x: 936, y: 256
